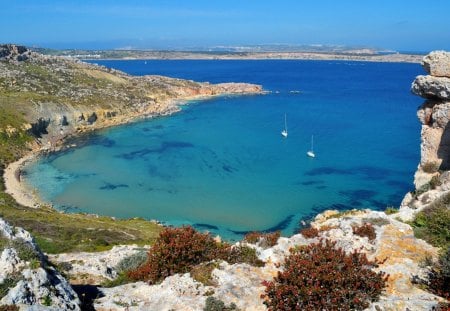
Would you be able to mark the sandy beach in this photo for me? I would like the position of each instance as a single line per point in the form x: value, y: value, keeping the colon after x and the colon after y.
x: 16, y: 187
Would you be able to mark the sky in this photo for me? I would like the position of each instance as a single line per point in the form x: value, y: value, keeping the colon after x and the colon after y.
x: 402, y: 25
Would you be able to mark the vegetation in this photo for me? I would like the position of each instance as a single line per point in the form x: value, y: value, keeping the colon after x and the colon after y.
x: 7, y: 284
x: 126, y: 265
x: 432, y: 223
x: 310, y: 232
x: 202, y: 273
x: 391, y: 210
x: 265, y: 240
x: 179, y: 250
x: 439, y: 275
x: 323, y: 277
x: 365, y: 230
x: 214, y: 304
x: 9, y: 308
x: 57, y: 232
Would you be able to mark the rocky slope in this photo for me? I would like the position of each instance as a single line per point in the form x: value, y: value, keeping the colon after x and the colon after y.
x: 241, y: 283
x: 26, y: 278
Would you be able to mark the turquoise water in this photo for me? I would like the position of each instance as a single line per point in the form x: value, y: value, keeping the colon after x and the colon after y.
x: 222, y: 165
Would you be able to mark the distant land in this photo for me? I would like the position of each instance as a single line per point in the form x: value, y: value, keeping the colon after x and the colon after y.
x: 307, y: 52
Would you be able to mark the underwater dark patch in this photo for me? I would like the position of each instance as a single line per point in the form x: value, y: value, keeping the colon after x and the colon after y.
x: 359, y: 194
x: 205, y: 226
x: 165, y: 146
x: 310, y: 182
x: 109, y: 186
x: 328, y: 171
x: 278, y: 227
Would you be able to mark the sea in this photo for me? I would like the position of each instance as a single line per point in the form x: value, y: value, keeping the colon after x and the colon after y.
x: 222, y: 165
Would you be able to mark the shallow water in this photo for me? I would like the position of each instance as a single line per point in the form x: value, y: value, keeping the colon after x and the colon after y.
x: 222, y: 165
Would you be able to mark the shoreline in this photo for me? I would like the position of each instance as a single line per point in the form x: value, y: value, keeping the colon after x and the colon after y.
x: 22, y: 192
x: 255, y: 56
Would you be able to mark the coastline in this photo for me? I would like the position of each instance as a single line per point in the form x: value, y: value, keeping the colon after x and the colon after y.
x: 312, y: 56
x: 22, y: 192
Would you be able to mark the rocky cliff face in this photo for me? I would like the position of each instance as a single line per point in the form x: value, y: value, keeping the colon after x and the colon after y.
x: 26, y: 278
x: 434, y: 115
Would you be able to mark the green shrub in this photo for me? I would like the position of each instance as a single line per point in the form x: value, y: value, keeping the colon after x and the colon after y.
x: 391, y: 210
x: 131, y: 262
x: 242, y: 254
x: 47, y: 301
x: 432, y: 223
x: 322, y: 277
x: 25, y: 250
x: 439, y: 276
x: 265, y: 240
x: 202, y: 273
x: 310, y: 232
x: 214, y: 304
x: 7, y: 284
x: 366, y: 230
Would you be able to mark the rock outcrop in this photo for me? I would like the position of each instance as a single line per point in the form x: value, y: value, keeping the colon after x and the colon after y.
x: 26, y: 278
x: 434, y: 115
x: 394, y: 245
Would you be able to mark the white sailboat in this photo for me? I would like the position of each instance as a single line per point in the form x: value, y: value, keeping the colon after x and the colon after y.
x: 311, y: 153
x: 284, y: 132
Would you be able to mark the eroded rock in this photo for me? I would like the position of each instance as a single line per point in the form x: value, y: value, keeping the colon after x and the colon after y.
x: 437, y: 64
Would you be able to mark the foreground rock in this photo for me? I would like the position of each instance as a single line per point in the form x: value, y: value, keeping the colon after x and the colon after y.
x: 26, y: 279
x: 394, y: 245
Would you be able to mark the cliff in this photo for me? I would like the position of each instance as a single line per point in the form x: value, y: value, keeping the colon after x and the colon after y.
x: 432, y: 179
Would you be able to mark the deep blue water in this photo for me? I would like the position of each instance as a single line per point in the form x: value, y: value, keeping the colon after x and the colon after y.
x: 222, y: 165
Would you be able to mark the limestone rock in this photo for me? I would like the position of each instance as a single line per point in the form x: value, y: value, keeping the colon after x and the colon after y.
x: 432, y: 87
x: 97, y: 267
x: 437, y: 64
x: 31, y: 281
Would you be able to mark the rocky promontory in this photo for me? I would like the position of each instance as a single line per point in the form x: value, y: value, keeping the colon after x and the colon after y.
x: 52, y: 97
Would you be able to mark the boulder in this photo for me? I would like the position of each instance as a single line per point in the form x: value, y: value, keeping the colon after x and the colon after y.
x: 437, y: 64
x: 432, y: 87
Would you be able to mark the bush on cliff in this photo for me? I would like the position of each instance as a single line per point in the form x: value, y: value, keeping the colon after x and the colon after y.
x: 265, y: 240
x: 179, y: 250
x: 432, y: 223
x: 365, y: 230
x: 439, y: 276
x: 322, y: 277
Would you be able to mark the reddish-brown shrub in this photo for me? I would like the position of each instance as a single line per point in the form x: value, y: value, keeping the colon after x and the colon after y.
x: 322, y: 277
x: 366, y: 230
x: 310, y: 232
x: 177, y: 250
x: 253, y: 237
x: 265, y: 239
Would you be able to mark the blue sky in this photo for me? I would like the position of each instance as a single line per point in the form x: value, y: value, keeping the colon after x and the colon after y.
x: 407, y: 25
